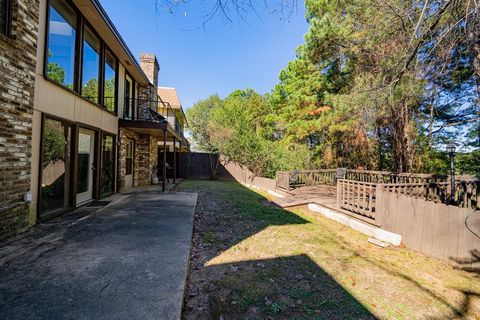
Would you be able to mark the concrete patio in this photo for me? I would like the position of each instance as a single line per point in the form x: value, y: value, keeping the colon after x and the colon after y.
x: 127, y: 260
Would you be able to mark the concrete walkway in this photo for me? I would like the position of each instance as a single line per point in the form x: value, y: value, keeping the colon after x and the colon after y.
x: 124, y: 261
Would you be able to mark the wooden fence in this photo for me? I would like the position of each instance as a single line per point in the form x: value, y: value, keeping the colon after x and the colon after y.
x: 419, y: 212
x: 289, y: 180
x: 443, y: 231
x: 196, y: 165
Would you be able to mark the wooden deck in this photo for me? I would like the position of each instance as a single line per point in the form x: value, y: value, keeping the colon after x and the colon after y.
x: 323, y: 195
x: 305, y: 195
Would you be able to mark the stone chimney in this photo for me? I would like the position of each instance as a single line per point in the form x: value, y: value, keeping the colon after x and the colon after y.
x: 150, y: 66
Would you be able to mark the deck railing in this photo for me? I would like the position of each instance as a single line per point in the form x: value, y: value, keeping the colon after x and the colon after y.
x: 367, y: 198
x: 289, y: 180
x: 357, y: 197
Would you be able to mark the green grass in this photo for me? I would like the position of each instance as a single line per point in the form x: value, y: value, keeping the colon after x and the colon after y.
x: 265, y: 262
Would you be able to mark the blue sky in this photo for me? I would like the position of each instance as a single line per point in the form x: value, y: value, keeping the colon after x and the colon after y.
x: 219, y: 58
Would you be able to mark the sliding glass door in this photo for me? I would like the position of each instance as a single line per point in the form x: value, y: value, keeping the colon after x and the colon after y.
x: 107, y: 163
x: 56, y: 166
x: 85, y: 165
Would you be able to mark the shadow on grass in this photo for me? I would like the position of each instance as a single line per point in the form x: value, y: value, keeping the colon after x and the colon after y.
x: 470, y: 263
x: 290, y: 287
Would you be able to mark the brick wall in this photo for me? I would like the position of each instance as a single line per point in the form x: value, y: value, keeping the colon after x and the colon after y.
x: 149, y: 65
x: 145, y: 158
x: 17, y: 78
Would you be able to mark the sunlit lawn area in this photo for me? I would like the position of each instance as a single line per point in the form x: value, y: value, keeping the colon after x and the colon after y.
x: 252, y: 260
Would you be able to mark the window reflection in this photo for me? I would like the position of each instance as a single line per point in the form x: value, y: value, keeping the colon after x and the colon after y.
x: 107, y: 166
x: 91, y: 64
x: 61, y: 43
x: 55, y: 166
x: 109, y: 83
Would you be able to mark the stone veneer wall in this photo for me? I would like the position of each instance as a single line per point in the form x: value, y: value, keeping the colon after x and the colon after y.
x: 17, y: 82
x: 153, y: 155
x: 145, y: 158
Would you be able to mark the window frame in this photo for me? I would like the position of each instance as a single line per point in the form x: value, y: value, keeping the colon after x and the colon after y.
x: 8, y: 19
x: 78, y: 59
x: 106, y: 49
x: 46, y: 215
x: 86, y: 24
x: 133, y: 98
x: 114, y: 164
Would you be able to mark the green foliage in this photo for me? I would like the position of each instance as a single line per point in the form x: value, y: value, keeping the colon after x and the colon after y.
x: 56, y: 72
x: 109, y: 94
x: 468, y: 163
x: 368, y: 89
x: 90, y: 90
x: 54, y: 143
x: 241, y: 128
x: 199, y: 117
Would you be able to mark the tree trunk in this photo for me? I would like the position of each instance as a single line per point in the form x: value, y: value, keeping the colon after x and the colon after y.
x: 402, y: 144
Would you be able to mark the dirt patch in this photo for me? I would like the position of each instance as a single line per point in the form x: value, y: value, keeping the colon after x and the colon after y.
x: 253, y: 260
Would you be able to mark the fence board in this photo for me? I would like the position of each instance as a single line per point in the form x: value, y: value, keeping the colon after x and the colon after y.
x: 451, y: 245
x: 463, y: 248
x: 440, y: 230
x: 391, y: 217
x: 474, y: 224
x: 404, y: 218
x: 428, y: 226
x: 414, y: 234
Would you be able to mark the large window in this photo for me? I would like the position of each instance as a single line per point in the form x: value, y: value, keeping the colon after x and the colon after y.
x: 110, y: 74
x: 61, y: 43
x: 107, y: 165
x: 56, y: 164
x: 90, y: 65
x: 128, y: 106
x: 93, y: 73
x: 5, y: 17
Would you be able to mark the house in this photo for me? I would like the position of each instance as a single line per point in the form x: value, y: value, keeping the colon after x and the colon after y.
x: 80, y: 118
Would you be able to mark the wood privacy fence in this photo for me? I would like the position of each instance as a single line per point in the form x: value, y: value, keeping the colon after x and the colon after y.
x: 419, y: 207
x: 289, y: 180
x: 367, y: 199
x: 418, y: 212
x: 197, y: 165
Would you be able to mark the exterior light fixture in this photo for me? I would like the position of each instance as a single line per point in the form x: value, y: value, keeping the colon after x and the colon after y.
x: 451, y: 153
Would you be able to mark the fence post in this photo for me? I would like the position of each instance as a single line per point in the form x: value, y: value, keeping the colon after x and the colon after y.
x: 339, y: 193
x: 379, y: 205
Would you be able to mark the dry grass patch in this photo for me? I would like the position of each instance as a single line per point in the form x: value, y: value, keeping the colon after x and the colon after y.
x: 252, y: 260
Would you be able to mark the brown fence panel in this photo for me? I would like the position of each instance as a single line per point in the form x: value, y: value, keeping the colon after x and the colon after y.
x: 434, y: 228
x: 196, y: 165
x: 427, y: 231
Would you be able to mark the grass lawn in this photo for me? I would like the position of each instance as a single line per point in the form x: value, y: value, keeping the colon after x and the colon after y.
x: 252, y: 260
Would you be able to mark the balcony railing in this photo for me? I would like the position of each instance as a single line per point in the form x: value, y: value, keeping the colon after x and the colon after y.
x: 141, y: 110
x: 152, y: 111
